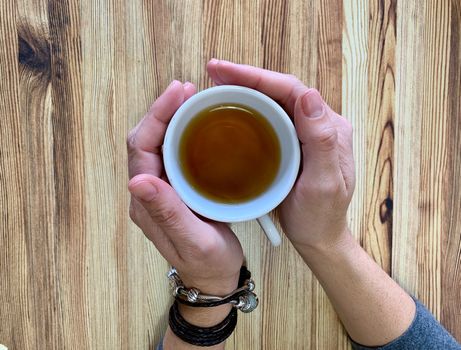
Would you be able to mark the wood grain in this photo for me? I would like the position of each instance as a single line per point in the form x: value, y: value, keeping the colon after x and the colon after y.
x: 13, y: 313
x: 424, y: 56
x: 451, y: 234
x: 76, y: 75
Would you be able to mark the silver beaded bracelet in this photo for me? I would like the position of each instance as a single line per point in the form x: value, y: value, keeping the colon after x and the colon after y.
x: 241, y: 298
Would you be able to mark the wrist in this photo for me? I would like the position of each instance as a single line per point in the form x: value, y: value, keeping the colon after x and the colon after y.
x: 204, y: 316
x: 208, y: 316
x: 211, y: 286
x: 344, y: 243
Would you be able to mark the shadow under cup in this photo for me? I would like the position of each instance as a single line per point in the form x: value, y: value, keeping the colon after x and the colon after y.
x: 258, y: 207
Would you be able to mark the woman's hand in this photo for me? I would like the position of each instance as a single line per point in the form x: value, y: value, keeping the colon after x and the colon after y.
x: 372, y: 307
x: 206, y: 254
x: 314, y: 213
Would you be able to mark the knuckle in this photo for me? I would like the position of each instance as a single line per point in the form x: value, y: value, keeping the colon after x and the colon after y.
x: 327, y: 138
x: 347, y: 126
x: 298, y: 86
x: 166, y: 215
x: 297, y: 89
x: 131, y: 140
x: 329, y: 188
x: 293, y: 78
x: 206, y: 247
x: 133, y: 213
x: 311, y: 90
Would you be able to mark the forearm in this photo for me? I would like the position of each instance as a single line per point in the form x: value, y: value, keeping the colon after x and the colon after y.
x: 373, y: 308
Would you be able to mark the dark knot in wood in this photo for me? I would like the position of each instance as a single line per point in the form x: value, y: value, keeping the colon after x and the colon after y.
x: 385, y: 210
x: 34, y: 51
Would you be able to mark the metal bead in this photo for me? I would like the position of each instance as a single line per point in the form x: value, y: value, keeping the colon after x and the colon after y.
x: 192, y: 295
x: 248, y: 302
x: 251, y: 285
x: 172, y: 272
x: 176, y: 291
x: 174, y: 279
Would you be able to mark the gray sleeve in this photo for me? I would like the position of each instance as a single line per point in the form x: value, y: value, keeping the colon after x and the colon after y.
x: 424, y: 333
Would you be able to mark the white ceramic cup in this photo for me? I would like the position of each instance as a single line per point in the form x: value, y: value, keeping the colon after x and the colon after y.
x: 259, y: 207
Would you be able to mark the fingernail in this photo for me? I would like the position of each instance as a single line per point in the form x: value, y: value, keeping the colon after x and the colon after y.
x: 312, y: 104
x: 214, y: 60
x: 144, y: 191
x: 173, y: 83
x: 224, y: 62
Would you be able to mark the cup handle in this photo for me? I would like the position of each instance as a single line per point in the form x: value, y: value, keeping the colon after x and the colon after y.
x: 270, y: 230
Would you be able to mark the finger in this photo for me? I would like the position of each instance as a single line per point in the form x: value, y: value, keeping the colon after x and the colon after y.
x: 145, y: 139
x: 283, y: 88
x: 141, y: 162
x: 151, y: 130
x: 154, y: 233
x: 319, y: 137
x: 189, y: 90
x: 165, y: 208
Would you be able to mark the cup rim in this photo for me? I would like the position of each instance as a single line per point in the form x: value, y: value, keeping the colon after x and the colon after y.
x: 170, y: 159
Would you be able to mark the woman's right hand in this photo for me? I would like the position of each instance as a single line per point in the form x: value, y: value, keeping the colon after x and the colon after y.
x: 372, y: 307
x: 314, y: 213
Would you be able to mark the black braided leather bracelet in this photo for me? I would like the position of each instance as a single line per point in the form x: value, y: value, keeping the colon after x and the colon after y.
x: 201, y: 336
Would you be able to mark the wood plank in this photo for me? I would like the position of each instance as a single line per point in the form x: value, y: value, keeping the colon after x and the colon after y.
x: 16, y: 330
x: 407, y: 146
x: 377, y: 235
x: 451, y: 235
x: 423, y: 149
x: 40, y: 238
x: 69, y: 184
x: 104, y: 128
x: 435, y: 63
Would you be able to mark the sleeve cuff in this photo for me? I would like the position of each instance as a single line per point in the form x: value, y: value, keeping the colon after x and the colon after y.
x: 425, y: 332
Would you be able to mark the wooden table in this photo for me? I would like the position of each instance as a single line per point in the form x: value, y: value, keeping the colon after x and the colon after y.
x: 76, y: 75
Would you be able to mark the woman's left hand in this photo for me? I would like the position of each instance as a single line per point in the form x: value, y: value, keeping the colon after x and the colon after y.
x: 207, y: 255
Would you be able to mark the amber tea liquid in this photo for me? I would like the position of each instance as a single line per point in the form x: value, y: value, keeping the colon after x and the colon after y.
x: 229, y: 153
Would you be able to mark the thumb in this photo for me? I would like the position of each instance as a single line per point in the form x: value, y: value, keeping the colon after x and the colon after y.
x: 163, y: 205
x: 318, y: 135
